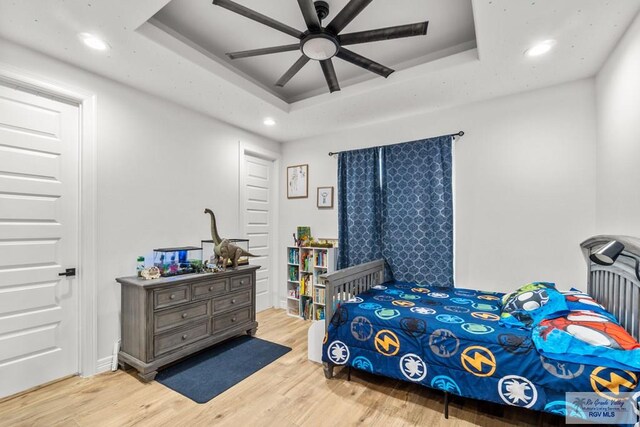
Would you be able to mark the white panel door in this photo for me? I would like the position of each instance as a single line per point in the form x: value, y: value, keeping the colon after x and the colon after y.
x: 258, y: 201
x: 38, y: 239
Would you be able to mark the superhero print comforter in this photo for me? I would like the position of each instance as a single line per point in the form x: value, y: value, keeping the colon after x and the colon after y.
x: 451, y: 339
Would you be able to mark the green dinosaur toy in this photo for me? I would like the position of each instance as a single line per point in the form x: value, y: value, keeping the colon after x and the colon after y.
x: 223, y: 248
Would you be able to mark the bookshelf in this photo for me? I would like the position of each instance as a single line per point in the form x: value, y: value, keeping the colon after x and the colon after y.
x: 305, y: 296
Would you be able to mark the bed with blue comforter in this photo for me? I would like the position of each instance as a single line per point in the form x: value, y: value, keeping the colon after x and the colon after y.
x: 458, y: 340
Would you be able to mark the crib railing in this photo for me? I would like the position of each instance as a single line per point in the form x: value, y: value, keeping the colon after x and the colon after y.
x: 343, y: 285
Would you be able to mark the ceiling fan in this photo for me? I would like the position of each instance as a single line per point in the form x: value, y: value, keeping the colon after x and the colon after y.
x: 323, y: 43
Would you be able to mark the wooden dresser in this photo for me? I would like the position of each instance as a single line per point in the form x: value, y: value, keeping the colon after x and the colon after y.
x: 166, y: 319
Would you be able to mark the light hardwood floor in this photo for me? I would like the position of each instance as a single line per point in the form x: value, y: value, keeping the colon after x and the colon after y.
x: 292, y: 391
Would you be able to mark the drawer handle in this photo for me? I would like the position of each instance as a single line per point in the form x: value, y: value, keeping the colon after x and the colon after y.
x: 242, y: 282
x: 184, y: 315
x: 233, y: 301
x: 184, y: 337
x: 233, y: 319
x: 172, y: 296
x: 210, y: 288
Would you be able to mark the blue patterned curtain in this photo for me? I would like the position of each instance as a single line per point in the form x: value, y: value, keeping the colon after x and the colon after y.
x: 359, y: 202
x: 417, y: 211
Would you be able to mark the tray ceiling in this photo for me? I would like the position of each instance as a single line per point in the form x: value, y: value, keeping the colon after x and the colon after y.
x: 218, y: 31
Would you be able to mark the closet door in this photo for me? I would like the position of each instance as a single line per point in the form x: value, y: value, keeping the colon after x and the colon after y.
x: 39, y: 170
x: 258, y: 223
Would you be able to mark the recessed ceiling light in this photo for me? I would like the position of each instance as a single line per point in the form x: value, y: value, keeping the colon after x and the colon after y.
x: 269, y: 121
x: 540, y: 48
x: 93, y: 42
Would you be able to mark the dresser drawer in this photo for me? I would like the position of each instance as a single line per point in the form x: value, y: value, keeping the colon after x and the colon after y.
x: 205, y: 290
x: 168, y: 342
x: 237, y: 299
x: 178, y: 316
x: 171, y: 296
x: 229, y: 320
x: 241, y: 282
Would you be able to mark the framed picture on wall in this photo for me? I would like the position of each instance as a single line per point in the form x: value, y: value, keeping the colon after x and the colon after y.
x: 298, y: 182
x: 325, y: 197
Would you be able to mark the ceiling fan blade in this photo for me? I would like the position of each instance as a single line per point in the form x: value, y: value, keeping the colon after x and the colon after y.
x: 363, y: 62
x: 346, y: 15
x: 330, y: 75
x: 263, y: 51
x: 258, y: 17
x: 400, y: 31
x: 309, y: 14
x: 292, y: 71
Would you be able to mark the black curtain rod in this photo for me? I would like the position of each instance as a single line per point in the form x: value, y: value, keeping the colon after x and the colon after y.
x: 461, y: 133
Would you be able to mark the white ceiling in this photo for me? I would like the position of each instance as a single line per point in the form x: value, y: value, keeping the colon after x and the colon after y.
x: 158, y: 62
x: 219, y: 31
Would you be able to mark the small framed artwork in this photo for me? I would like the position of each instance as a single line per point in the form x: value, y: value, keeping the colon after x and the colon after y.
x: 298, y: 182
x: 325, y: 197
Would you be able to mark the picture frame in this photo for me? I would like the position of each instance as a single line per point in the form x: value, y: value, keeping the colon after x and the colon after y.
x: 325, y: 198
x: 298, y: 181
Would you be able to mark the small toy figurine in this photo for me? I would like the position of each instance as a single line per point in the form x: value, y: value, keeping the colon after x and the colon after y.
x: 212, y: 264
x: 150, y: 273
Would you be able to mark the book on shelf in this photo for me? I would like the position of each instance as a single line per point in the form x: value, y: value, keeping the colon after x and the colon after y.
x: 303, y: 232
x: 306, y: 286
x: 293, y: 273
x: 319, y: 295
x: 293, y: 256
x: 305, y: 260
x: 319, y: 313
x: 295, y: 292
x: 307, y: 304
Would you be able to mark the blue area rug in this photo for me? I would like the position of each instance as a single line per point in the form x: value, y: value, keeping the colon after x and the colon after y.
x: 205, y: 375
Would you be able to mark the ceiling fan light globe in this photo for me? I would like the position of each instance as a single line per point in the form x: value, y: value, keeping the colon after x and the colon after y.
x: 319, y: 48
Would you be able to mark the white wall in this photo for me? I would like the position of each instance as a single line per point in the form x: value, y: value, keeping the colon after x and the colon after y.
x: 618, y: 103
x: 524, y: 183
x: 159, y: 166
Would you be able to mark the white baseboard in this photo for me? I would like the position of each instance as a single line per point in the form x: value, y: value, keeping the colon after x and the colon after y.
x: 103, y: 365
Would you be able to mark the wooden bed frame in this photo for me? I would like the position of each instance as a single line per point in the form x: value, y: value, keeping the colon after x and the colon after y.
x: 616, y: 287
